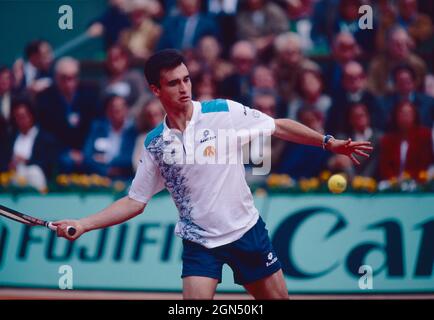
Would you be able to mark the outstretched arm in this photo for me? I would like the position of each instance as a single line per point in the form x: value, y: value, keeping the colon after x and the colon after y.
x: 118, y: 212
x: 294, y: 131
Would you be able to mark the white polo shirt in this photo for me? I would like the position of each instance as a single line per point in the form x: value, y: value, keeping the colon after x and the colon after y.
x: 203, y: 170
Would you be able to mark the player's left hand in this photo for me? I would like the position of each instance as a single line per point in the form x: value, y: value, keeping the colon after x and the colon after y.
x: 350, y: 148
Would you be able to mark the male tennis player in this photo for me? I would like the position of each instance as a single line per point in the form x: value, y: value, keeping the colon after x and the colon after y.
x: 218, y: 221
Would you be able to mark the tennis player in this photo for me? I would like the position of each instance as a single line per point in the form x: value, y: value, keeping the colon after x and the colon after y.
x: 218, y: 221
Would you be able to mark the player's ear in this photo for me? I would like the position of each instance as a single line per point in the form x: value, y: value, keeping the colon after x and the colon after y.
x: 155, y: 90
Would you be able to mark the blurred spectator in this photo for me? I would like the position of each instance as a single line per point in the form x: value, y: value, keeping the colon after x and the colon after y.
x: 121, y: 81
x: 32, y: 152
x: 150, y: 116
x: 3, y: 144
x: 360, y: 130
x: 299, y: 13
x: 399, y: 46
x: 259, y: 21
x: 110, y: 144
x: 35, y: 74
x: 344, y: 50
x: 209, y: 54
x: 324, y: 15
x: 5, y: 93
x: 144, y: 33
x: 289, y: 63
x: 404, y: 79
x: 354, y: 84
x: 347, y: 20
x: 310, y: 95
x: 238, y: 85
x: 111, y: 23
x: 184, y: 30
x: 66, y: 109
x: 205, y: 87
x: 408, y: 147
x: 299, y: 160
x: 263, y: 78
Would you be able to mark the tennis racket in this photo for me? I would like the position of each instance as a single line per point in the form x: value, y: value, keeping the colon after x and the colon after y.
x: 32, y: 221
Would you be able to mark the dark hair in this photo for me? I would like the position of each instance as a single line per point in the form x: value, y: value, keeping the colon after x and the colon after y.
x: 401, y: 68
x: 18, y: 102
x: 394, y: 118
x: 4, y: 68
x: 108, y: 99
x: 163, y: 60
x: 33, y: 47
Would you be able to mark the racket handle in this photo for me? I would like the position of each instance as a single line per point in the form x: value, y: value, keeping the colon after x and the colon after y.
x: 70, y: 230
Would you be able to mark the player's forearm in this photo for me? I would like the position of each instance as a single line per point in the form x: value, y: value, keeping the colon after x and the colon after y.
x: 118, y: 212
x: 294, y: 131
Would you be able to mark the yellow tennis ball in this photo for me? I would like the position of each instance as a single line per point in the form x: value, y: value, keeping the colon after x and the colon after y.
x: 337, y: 183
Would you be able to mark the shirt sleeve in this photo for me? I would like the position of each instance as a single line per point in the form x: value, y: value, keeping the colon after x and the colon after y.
x: 250, y: 122
x: 147, y: 181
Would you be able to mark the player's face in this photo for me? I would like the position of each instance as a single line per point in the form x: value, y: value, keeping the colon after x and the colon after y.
x: 175, y: 88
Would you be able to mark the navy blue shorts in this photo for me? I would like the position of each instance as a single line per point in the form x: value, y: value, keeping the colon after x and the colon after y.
x: 251, y: 258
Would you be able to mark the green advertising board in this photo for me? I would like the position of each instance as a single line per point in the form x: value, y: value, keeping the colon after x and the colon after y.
x: 321, y: 240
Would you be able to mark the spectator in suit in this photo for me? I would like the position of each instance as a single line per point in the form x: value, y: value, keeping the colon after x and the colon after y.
x: 110, y: 144
x: 344, y: 50
x: 259, y: 21
x: 399, y: 52
x: 238, y: 85
x: 408, y: 147
x: 66, y: 110
x: 354, y: 84
x: 360, y: 130
x: 32, y: 152
x: 404, y: 79
x: 35, y: 74
x: 120, y: 80
x: 184, y: 30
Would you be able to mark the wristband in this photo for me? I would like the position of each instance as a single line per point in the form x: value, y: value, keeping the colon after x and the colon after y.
x: 326, y: 140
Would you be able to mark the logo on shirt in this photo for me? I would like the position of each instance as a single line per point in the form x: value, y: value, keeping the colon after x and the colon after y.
x: 271, y: 259
x: 206, y: 136
x: 256, y: 114
x: 209, y: 151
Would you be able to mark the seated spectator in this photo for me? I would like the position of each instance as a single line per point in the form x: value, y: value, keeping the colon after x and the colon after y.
x: 259, y: 21
x: 354, y: 91
x: 408, y: 147
x: 310, y: 95
x: 303, y: 161
x: 35, y: 74
x: 238, y: 85
x: 5, y: 93
x: 323, y: 18
x: 344, y: 49
x: 225, y: 12
x: 31, y: 152
x: 209, y: 55
x: 360, y: 130
x: 144, y: 33
x: 120, y: 80
x: 110, y: 144
x: 66, y: 110
x: 184, y: 30
x: 404, y: 80
x: 150, y: 116
x: 289, y: 63
x: 399, y: 52
x: 111, y: 23
x: 3, y: 144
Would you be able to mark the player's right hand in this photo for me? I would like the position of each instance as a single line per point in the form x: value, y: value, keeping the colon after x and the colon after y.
x: 62, y: 226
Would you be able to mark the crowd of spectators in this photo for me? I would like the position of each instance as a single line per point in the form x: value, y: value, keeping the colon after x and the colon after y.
x: 307, y: 60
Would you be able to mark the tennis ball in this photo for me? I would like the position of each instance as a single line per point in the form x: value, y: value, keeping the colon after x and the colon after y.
x: 337, y: 183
